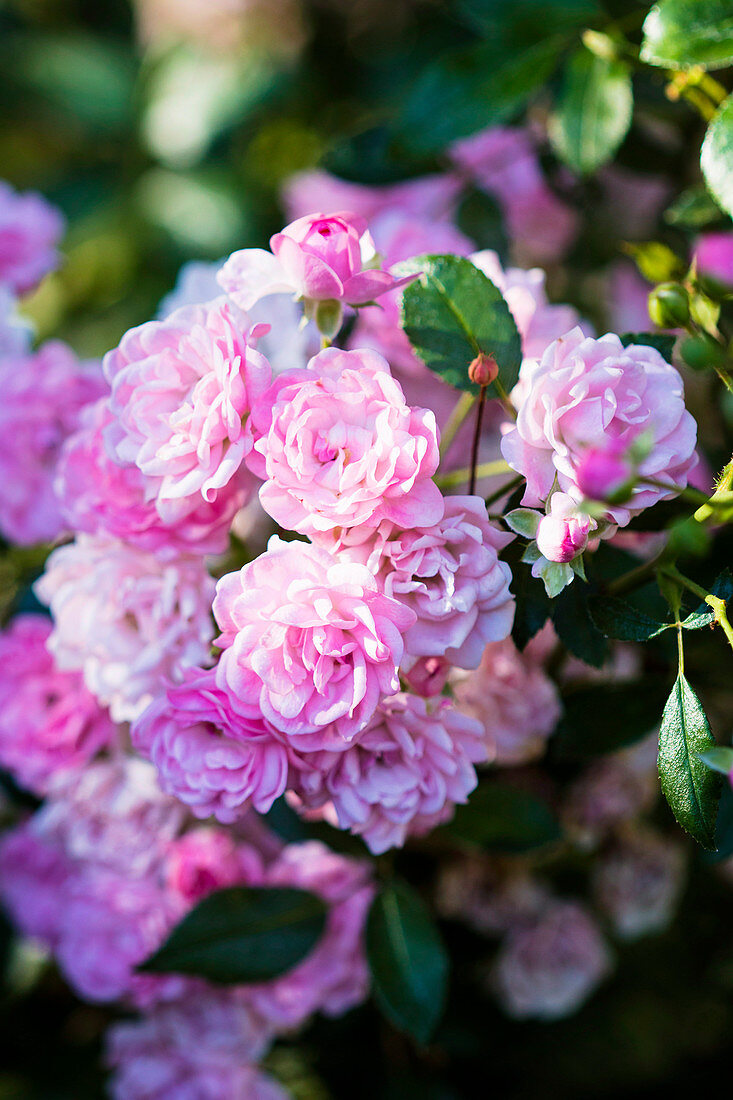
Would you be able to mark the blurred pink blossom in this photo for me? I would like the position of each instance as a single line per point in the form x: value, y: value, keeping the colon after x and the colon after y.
x: 30, y: 229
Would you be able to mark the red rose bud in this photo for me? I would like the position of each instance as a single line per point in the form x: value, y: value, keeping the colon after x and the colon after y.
x: 483, y: 370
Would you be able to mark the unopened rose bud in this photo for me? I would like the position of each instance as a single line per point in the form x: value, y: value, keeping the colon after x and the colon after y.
x: 427, y: 676
x: 483, y: 370
x: 563, y: 534
x: 603, y: 473
x: 669, y: 306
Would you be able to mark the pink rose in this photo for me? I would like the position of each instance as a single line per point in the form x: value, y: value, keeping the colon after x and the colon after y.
x: 29, y: 231
x: 49, y: 722
x: 405, y: 775
x: 182, y: 389
x: 548, y: 967
x: 638, y: 881
x: 33, y: 878
x: 41, y: 397
x: 515, y: 701
x: 216, y: 762
x: 584, y: 394
x: 450, y: 575
x: 431, y: 197
x: 563, y: 534
x: 308, y: 640
x: 604, y: 471
x: 98, y: 496
x: 320, y: 257
x: 126, y: 620
x: 201, y: 1048
x: 338, y: 447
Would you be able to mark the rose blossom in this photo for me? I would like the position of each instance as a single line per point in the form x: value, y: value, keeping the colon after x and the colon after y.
x: 449, y: 574
x: 547, y: 967
x: 586, y: 392
x: 41, y: 396
x: 29, y: 231
x: 182, y: 389
x: 197, y: 1049
x: 98, y: 496
x: 338, y: 447
x: 604, y: 471
x: 15, y: 333
x: 33, y: 877
x: 49, y: 722
x: 320, y: 257
x: 638, y: 882
x: 714, y: 256
x: 125, y: 619
x: 333, y: 977
x: 214, y: 760
x: 612, y: 790
x: 206, y: 859
x: 430, y: 197
x: 404, y: 776
x: 308, y: 640
x: 563, y: 533
x: 515, y: 701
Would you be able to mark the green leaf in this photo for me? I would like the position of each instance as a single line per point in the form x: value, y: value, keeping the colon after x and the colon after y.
x: 575, y: 627
x: 693, y: 209
x: 451, y: 312
x: 469, y: 89
x: 242, y: 934
x: 660, y: 341
x: 716, y: 156
x: 407, y: 960
x: 681, y: 33
x: 523, y: 521
x: 505, y: 819
x: 521, y: 23
x: 719, y: 759
x: 691, y: 789
x: 656, y: 261
x: 605, y: 718
x: 617, y: 619
x: 594, y: 112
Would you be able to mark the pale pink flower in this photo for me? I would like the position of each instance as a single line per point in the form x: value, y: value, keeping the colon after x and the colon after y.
x: 201, y: 1048
x: 604, y: 470
x: 637, y: 883
x: 30, y: 230
x: 450, y: 575
x: 49, y: 722
x: 714, y: 256
x: 612, y: 790
x: 41, y: 396
x: 215, y: 761
x: 503, y: 161
x: 207, y: 859
x: 308, y: 640
x: 563, y: 533
x: 627, y: 298
x: 99, y: 496
x: 111, y: 814
x: 333, y: 977
x: 124, y: 619
x: 486, y: 894
x: 587, y: 392
x: 409, y: 769
x: 319, y: 257
x: 515, y: 701
x: 182, y: 389
x: 338, y: 447
x: 548, y: 967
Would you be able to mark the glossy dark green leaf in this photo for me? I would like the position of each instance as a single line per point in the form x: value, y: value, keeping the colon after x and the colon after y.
x: 606, y: 717
x: 660, y: 341
x: 690, y: 787
x: 466, y: 90
x: 507, y: 819
x: 451, y: 312
x: 594, y: 111
x: 716, y: 157
x: 616, y: 618
x: 682, y: 33
x: 575, y: 627
x: 407, y: 960
x: 243, y: 934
